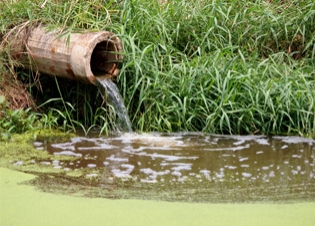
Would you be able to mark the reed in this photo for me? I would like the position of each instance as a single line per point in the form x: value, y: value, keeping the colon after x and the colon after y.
x: 240, y: 67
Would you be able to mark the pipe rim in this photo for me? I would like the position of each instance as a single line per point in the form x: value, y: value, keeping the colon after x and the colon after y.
x: 114, y: 42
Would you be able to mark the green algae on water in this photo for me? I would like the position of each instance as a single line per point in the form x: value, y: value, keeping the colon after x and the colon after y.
x: 20, y: 150
x: 21, y: 205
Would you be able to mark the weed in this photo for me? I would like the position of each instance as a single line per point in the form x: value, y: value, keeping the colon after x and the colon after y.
x: 242, y: 67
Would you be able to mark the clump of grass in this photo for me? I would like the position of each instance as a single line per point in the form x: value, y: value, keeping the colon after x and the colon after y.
x: 242, y: 67
x: 220, y: 67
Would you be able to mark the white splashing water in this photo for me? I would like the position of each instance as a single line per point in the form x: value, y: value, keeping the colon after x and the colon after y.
x: 111, y: 94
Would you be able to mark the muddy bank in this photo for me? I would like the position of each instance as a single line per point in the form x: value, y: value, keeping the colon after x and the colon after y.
x: 23, y: 205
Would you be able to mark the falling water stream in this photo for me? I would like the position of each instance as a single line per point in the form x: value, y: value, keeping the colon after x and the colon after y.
x: 111, y: 93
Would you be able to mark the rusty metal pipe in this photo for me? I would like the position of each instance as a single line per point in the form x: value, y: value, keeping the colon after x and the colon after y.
x: 80, y: 56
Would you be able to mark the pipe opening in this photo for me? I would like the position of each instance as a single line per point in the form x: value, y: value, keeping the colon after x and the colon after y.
x: 104, y: 59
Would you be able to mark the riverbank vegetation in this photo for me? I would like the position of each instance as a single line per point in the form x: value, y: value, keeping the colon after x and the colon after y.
x: 236, y: 67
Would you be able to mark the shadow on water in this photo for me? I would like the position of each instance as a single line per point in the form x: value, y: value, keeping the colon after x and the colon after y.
x: 196, y: 167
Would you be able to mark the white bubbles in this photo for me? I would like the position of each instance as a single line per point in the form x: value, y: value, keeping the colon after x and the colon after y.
x: 243, y: 159
x: 149, y: 171
x: 101, y: 146
x: 182, y: 167
x: 278, y: 167
x: 176, y: 173
x: 205, y: 172
x: 297, y: 156
x: 236, y: 148
x: 113, y: 158
x: 56, y: 164
x: 219, y: 175
x: 262, y: 141
x: 189, y: 158
x: 246, y: 175
x: 120, y: 173
x: 37, y: 143
x: 128, y: 168
x: 232, y: 167
x: 272, y: 174
x: 91, y: 165
x: 18, y: 163
x: 91, y: 175
x: 147, y: 181
x: 68, y: 153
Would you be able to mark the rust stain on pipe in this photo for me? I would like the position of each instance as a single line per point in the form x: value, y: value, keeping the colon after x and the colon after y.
x: 81, y: 56
x: 70, y: 72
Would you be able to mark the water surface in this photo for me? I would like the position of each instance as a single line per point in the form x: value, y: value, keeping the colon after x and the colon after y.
x: 212, y: 168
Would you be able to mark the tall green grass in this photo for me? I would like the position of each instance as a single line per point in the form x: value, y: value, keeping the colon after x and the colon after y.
x: 240, y: 67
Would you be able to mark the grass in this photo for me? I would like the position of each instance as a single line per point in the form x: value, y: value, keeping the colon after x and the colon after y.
x: 239, y: 67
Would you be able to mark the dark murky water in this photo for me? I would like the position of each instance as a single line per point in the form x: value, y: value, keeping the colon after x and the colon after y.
x: 280, y: 165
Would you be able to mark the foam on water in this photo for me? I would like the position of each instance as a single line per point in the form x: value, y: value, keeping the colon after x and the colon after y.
x: 183, y: 157
x: 295, y: 140
x: 68, y: 153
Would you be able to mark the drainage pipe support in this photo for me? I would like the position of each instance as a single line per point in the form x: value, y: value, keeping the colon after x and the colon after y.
x: 78, y: 56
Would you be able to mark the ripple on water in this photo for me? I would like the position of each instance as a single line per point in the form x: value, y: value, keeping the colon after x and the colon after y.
x: 179, y: 158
